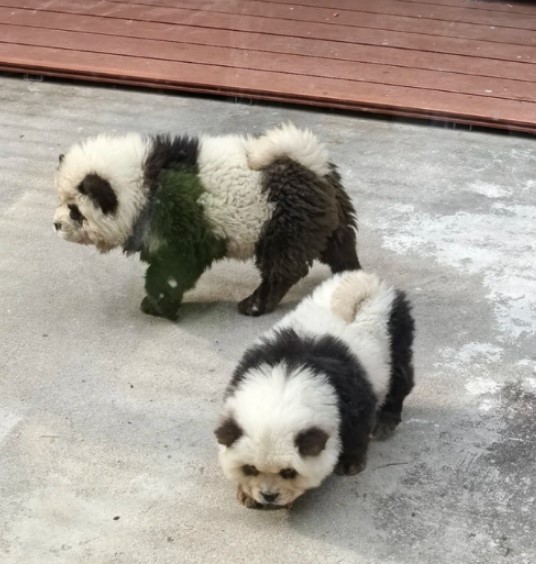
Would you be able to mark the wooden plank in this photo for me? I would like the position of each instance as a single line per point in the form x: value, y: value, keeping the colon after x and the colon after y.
x: 288, y: 64
x: 514, y: 7
x: 212, y: 78
x: 354, y: 18
x: 319, y: 49
x: 499, y: 51
x: 524, y: 20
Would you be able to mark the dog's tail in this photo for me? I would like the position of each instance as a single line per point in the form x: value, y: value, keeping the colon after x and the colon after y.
x: 354, y: 290
x: 300, y: 145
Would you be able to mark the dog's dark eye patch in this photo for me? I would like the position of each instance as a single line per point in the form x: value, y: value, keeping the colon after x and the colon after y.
x: 228, y: 432
x: 312, y: 441
x: 288, y: 473
x: 74, y: 213
x: 100, y: 191
x: 249, y: 470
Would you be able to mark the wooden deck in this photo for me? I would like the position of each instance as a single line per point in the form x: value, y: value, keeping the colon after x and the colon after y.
x: 468, y: 61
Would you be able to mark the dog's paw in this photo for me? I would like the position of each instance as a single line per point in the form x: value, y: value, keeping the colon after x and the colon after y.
x: 247, y: 501
x: 384, y: 428
x: 350, y: 468
x: 250, y: 306
x: 150, y: 307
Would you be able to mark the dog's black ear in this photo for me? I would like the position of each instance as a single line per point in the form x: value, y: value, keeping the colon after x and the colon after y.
x: 228, y: 432
x: 311, y: 442
x: 100, y: 191
x: 60, y: 158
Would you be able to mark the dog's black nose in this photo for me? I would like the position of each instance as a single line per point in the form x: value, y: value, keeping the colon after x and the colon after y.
x: 57, y: 225
x: 269, y: 497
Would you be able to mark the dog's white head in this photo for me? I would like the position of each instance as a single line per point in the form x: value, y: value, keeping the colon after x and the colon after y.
x: 279, y: 433
x: 100, y: 184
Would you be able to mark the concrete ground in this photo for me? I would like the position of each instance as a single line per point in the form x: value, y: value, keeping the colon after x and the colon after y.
x: 106, y: 415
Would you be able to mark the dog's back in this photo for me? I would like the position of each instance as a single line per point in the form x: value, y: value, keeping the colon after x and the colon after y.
x: 356, y: 307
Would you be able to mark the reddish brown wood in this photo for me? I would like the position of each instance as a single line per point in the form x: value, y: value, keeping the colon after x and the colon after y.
x: 251, y: 81
x: 314, y: 48
x: 240, y: 22
x: 429, y: 10
x: 496, y: 6
x: 364, y: 14
x: 254, y: 60
x: 402, y: 64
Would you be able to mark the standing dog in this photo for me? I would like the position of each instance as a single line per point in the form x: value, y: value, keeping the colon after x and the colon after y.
x: 307, y: 397
x: 183, y: 202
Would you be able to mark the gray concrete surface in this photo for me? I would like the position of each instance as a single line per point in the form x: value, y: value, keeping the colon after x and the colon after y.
x: 106, y: 415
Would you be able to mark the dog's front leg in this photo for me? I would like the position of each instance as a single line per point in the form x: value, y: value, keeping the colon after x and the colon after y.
x: 166, y: 281
x: 353, y: 458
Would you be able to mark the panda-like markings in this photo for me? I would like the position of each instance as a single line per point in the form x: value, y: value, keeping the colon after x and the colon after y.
x: 184, y: 202
x: 306, y: 398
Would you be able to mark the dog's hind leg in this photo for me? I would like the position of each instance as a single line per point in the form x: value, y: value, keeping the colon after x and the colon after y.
x: 401, y: 330
x: 271, y: 291
x: 340, y: 253
x: 305, y: 215
x: 389, y: 415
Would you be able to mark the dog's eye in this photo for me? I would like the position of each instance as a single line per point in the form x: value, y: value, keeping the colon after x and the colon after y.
x: 74, y: 213
x: 288, y: 473
x: 249, y: 470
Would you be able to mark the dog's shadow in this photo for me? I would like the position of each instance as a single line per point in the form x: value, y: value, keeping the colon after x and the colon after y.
x: 213, y: 303
x: 409, y: 489
x: 210, y: 310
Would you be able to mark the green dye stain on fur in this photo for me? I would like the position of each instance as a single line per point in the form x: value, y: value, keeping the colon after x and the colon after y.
x: 186, y: 245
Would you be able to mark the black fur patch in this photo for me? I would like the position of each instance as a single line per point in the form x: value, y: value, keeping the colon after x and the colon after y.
x: 340, y: 252
x: 328, y: 357
x: 249, y: 470
x: 141, y: 226
x: 401, y: 329
x: 288, y: 473
x: 313, y: 218
x: 100, y: 191
x: 311, y: 442
x: 228, y: 432
x: 74, y: 213
x: 305, y: 215
x: 170, y: 152
x: 166, y: 152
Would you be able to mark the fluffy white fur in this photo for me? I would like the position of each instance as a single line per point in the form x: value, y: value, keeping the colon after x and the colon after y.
x: 288, y: 141
x: 118, y: 159
x: 229, y: 169
x: 273, y: 408
x: 234, y: 202
x: 366, y: 334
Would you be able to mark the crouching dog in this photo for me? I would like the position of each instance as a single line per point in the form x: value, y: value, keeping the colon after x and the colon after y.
x: 307, y: 397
